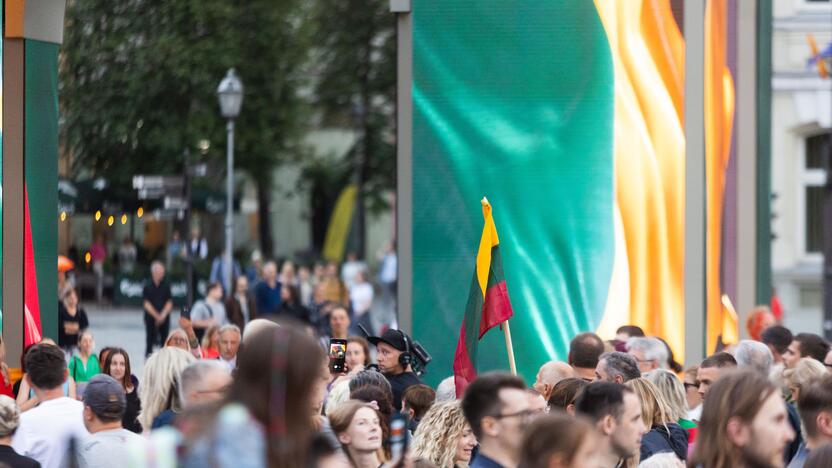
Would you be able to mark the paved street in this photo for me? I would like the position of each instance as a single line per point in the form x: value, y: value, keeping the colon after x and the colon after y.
x: 122, y: 327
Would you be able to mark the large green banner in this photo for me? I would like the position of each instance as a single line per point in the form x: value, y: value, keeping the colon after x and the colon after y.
x: 512, y: 100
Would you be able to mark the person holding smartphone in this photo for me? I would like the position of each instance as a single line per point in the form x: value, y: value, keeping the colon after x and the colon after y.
x: 395, y: 355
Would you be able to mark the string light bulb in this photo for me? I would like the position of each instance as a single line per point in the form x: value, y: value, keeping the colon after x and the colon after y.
x: 98, y: 215
x: 110, y: 220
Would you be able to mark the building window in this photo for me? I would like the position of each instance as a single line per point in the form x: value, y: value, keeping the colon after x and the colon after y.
x: 818, y: 153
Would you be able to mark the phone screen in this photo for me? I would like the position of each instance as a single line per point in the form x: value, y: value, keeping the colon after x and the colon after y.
x: 337, y: 355
x: 398, y: 436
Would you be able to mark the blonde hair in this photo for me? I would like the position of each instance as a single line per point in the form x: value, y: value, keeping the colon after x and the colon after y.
x: 339, y: 394
x: 159, y: 390
x: 9, y: 416
x: 438, y: 433
x: 206, y: 338
x: 671, y: 389
x: 806, y: 371
x: 654, y: 409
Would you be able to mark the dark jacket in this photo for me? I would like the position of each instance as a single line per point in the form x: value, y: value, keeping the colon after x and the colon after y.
x: 235, y: 312
x: 660, y: 439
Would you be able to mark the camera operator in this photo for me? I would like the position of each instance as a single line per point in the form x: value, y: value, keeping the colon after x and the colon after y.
x: 395, y: 358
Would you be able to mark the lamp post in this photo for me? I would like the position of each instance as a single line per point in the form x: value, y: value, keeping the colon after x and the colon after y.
x: 230, y: 93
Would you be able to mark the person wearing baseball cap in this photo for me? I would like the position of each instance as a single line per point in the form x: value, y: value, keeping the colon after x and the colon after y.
x: 395, y: 356
x: 104, y: 405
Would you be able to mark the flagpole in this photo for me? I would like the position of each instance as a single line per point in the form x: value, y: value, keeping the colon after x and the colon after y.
x: 510, y: 347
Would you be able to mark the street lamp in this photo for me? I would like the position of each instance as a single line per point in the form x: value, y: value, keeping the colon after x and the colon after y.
x: 230, y: 93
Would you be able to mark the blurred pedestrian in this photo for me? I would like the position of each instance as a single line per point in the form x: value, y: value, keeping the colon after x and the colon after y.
x: 45, y: 430
x: 416, y: 401
x: 339, y: 323
x: 777, y: 338
x: 692, y: 396
x: 209, y: 311
x: 565, y: 393
x: 649, y: 352
x: 549, y: 375
x: 127, y: 256
x: 744, y: 423
x: 584, y: 351
x: 98, y: 255
x: 241, y: 306
x: 176, y: 249
x: 351, y: 268
x: 157, y: 302
x: 267, y: 292
x: 104, y: 406
x: 291, y: 306
x: 230, y: 337
x: 267, y: 405
x: 217, y: 274
x: 559, y: 441
x: 444, y: 436
x: 805, y: 345
x: 672, y: 391
x: 72, y: 319
x: 211, y: 343
x: 160, y: 381
x: 664, y: 433
x: 711, y: 369
x: 806, y: 371
x: 203, y: 382
x: 84, y: 365
x: 117, y: 366
x: 815, y: 407
x: 358, y: 354
x: 758, y: 320
x: 9, y: 421
x: 617, y: 367
x: 333, y: 288
x: 305, y: 285
x: 6, y: 385
x: 197, y: 245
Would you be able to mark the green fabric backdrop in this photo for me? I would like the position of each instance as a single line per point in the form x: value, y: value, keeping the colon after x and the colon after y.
x: 41, y: 172
x: 513, y: 100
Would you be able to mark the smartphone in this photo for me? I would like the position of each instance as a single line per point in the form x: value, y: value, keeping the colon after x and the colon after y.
x: 337, y: 355
x: 185, y: 313
x: 398, y: 436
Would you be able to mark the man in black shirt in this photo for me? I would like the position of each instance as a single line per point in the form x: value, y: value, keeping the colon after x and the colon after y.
x: 395, y: 355
x: 157, y: 303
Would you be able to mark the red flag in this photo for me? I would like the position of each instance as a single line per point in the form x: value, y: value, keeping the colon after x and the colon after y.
x: 32, y: 332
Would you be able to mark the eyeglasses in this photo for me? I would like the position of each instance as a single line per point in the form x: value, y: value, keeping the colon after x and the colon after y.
x: 688, y: 386
x: 524, y: 415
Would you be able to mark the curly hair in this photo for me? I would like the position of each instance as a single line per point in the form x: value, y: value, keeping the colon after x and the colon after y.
x: 438, y: 433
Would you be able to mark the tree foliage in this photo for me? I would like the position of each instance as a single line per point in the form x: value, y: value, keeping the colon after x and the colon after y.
x: 139, y: 77
x: 355, y: 58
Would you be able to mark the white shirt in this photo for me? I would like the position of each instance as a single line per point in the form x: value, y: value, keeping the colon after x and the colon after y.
x: 350, y: 270
x: 361, y: 296
x: 231, y: 365
x: 46, y: 429
x: 204, y: 310
x: 101, y: 449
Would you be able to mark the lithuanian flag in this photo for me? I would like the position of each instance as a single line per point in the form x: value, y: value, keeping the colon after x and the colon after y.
x: 488, y: 303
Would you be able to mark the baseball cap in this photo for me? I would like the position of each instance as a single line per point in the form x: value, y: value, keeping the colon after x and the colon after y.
x: 394, y: 338
x: 105, y: 396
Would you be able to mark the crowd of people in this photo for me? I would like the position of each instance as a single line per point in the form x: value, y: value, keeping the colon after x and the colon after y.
x: 264, y: 393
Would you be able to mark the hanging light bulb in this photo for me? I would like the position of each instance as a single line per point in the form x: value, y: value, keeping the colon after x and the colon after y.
x: 140, y: 212
x: 124, y: 219
x: 63, y: 216
x: 110, y: 220
x: 98, y: 215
